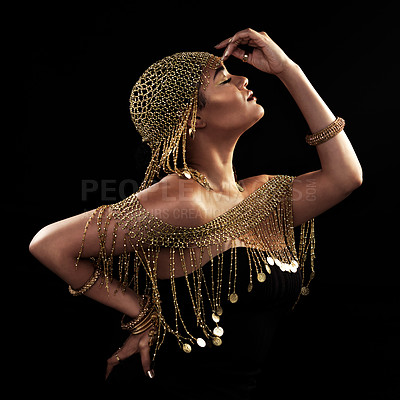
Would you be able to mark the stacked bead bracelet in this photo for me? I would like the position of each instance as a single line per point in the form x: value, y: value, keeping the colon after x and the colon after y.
x: 147, y: 319
x: 325, y: 134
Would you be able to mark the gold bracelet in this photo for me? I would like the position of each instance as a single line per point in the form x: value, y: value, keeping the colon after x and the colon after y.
x: 147, y: 318
x: 325, y: 134
x: 140, y: 326
x: 149, y: 322
x: 144, y: 304
x: 87, y: 285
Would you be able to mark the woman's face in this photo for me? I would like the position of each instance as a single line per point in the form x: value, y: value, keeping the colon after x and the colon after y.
x: 230, y: 106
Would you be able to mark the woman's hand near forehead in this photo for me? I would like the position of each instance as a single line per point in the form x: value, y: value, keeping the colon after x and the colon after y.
x: 340, y: 171
x: 266, y: 55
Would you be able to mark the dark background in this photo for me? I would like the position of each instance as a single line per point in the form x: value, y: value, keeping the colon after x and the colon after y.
x: 82, y: 60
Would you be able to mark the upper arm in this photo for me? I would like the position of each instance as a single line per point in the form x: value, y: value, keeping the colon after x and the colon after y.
x: 316, y: 192
x: 57, y: 245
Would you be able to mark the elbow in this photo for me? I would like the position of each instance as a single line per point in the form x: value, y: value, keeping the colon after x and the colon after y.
x: 358, y: 182
x: 51, y: 246
x: 353, y: 181
x: 36, y: 245
x: 346, y: 183
x: 357, y: 179
x: 43, y: 245
x: 46, y: 250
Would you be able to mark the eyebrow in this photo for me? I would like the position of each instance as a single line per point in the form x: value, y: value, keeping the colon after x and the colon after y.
x: 218, y: 70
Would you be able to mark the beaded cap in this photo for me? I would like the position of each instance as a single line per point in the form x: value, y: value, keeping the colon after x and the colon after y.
x: 161, y: 103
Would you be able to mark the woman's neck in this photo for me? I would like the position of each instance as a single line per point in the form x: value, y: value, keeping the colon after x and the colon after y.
x: 215, y: 163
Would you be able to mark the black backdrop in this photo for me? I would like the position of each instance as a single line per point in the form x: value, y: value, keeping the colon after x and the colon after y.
x: 79, y: 149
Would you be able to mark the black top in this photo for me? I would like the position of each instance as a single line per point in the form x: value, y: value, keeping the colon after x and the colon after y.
x: 229, y: 371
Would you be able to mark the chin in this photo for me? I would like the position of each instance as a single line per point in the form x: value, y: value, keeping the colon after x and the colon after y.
x: 260, y: 110
x: 257, y: 116
x: 259, y: 113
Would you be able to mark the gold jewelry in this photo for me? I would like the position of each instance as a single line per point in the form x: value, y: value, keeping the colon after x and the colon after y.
x: 163, y: 104
x: 325, y: 134
x: 163, y: 101
x: 146, y: 319
x: 262, y: 222
x: 144, y: 304
x: 245, y: 58
x: 87, y: 285
x: 239, y: 187
x: 191, y: 173
x: 117, y: 357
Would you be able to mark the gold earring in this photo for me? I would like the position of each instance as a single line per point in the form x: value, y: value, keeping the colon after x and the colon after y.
x: 192, y: 131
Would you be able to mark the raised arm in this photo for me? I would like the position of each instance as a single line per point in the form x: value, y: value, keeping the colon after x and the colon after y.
x: 340, y: 171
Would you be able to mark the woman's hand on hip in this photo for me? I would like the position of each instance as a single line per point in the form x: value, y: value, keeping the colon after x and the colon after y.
x: 266, y: 55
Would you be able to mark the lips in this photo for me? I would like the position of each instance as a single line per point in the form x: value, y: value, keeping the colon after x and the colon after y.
x: 250, y: 96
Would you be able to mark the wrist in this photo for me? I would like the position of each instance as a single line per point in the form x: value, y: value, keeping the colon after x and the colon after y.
x: 291, y: 70
x: 136, y: 305
x: 147, y: 320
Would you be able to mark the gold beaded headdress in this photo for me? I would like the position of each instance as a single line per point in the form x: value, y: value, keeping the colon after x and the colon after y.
x: 161, y: 104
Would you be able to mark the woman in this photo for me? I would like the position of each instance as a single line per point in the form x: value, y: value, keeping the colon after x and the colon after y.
x: 184, y: 243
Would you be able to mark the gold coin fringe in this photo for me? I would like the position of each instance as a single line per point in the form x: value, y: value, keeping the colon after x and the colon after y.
x: 263, y: 222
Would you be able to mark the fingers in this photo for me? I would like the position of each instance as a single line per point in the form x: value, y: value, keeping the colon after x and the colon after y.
x: 146, y: 361
x: 246, y: 37
x: 112, y: 362
x: 223, y: 44
x: 129, y: 347
x: 134, y: 344
x: 239, y: 53
x: 108, y: 370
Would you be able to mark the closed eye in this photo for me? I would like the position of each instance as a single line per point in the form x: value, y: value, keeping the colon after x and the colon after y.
x: 227, y: 81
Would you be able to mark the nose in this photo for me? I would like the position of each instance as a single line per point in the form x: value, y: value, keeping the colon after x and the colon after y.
x: 243, y: 82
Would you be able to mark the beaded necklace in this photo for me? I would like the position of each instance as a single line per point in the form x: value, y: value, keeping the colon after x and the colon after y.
x: 263, y: 222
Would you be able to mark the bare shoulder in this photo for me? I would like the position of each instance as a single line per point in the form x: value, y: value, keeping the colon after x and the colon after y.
x: 183, y: 202
x: 254, y: 182
x: 174, y: 200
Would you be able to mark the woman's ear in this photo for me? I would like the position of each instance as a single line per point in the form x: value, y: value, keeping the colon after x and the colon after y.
x: 200, y: 122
